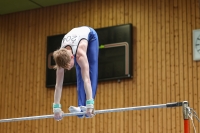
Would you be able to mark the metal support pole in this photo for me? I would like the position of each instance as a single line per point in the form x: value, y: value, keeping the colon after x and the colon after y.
x: 186, y: 116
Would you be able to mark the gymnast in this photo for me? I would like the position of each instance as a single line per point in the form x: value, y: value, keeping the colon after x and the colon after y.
x: 80, y: 46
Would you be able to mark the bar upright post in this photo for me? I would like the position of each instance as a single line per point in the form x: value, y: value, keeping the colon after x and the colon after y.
x: 186, y: 116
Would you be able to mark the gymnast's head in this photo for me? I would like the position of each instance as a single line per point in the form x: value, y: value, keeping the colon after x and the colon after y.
x: 63, y: 58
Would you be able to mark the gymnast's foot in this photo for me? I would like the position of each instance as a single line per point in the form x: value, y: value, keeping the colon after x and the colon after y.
x: 83, y: 108
x: 74, y: 109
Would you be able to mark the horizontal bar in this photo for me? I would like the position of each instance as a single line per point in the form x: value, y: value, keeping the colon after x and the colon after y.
x: 176, y: 104
x: 83, y: 113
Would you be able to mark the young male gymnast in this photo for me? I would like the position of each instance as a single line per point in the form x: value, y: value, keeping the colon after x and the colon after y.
x: 80, y: 46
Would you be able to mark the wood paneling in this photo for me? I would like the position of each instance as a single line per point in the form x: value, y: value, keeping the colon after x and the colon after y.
x: 163, y: 66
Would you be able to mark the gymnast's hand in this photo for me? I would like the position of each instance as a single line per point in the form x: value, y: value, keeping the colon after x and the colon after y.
x: 90, y: 108
x: 58, y: 115
x: 90, y: 112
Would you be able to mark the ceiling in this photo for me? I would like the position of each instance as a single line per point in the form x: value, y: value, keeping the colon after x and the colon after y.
x: 11, y: 6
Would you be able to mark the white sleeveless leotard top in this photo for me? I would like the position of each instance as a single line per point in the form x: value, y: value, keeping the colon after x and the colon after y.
x: 73, y: 37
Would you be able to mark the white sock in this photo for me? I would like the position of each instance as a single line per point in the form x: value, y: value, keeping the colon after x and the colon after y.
x: 74, y: 109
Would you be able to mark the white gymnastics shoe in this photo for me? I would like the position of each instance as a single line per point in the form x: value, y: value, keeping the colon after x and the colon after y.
x: 73, y: 109
x: 83, y: 108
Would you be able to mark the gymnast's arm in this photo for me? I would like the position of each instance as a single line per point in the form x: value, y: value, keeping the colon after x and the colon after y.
x: 82, y: 60
x: 59, y: 83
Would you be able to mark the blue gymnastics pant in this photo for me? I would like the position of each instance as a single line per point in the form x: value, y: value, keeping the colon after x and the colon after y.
x: 92, y: 55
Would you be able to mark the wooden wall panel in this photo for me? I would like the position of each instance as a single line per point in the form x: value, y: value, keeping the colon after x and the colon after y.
x: 163, y: 113
x: 196, y: 90
x: 163, y: 66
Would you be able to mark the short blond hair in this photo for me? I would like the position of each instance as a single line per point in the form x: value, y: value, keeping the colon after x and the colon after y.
x: 61, y: 58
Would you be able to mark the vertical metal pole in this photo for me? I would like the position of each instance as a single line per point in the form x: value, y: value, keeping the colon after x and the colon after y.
x: 185, y: 116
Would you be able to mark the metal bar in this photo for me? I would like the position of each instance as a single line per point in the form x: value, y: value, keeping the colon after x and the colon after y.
x: 176, y: 104
x: 185, y: 110
x: 82, y: 113
x: 186, y: 116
